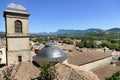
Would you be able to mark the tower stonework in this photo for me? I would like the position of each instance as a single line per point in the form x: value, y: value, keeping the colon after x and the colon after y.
x: 17, y: 34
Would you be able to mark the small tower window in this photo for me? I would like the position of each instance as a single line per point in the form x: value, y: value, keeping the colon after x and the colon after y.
x: 0, y: 52
x: 19, y: 58
x: 18, y: 26
x: 0, y: 60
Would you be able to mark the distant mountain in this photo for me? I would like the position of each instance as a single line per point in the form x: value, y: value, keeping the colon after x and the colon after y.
x: 92, y: 31
x: 113, y: 33
x: 63, y: 31
x: 43, y: 33
x: 66, y: 32
x: 1, y: 32
x: 70, y: 32
x: 114, y: 30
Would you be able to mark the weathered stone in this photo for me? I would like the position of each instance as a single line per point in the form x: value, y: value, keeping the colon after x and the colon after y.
x: 18, y: 47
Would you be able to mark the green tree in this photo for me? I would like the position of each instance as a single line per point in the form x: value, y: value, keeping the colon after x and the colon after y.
x: 67, y: 41
x: 90, y: 44
x: 48, y: 71
x: 115, y: 76
x: 79, y: 44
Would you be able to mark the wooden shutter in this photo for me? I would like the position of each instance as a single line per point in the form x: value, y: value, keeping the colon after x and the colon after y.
x: 18, y: 26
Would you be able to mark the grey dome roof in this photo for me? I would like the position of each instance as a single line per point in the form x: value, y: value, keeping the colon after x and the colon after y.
x: 14, y: 7
x: 50, y: 52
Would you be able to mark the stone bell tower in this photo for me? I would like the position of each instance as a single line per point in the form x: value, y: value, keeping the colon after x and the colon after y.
x: 17, y: 34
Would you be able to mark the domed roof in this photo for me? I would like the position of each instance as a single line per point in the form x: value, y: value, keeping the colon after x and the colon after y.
x: 14, y: 7
x: 50, y: 52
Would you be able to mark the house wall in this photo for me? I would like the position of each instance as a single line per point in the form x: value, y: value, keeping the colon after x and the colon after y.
x: 96, y: 64
x: 3, y: 55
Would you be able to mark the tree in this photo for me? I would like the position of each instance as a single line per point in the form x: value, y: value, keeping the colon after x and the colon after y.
x: 67, y: 41
x: 79, y: 44
x: 48, y: 71
x: 115, y: 76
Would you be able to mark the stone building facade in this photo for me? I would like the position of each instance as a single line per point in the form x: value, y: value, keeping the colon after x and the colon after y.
x: 2, y: 55
x: 17, y: 34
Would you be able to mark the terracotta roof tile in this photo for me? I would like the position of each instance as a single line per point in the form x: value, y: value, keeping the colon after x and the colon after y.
x: 107, y: 70
x: 87, y: 57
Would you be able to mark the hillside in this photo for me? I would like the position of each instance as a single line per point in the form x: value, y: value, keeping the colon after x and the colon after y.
x: 89, y: 32
x: 113, y: 31
x: 69, y: 32
x: 2, y: 34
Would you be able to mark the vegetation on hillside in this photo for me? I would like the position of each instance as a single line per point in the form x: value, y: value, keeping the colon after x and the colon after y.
x: 109, y: 38
x: 87, y: 44
x: 2, y: 34
x: 88, y: 41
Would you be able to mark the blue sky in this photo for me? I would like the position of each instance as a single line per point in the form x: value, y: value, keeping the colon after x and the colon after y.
x: 51, y: 15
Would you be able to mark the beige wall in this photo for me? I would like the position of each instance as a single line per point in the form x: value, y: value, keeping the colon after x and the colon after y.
x: 10, y: 24
x: 18, y: 44
x: 96, y: 64
x: 13, y: 56
x: 3, y: 55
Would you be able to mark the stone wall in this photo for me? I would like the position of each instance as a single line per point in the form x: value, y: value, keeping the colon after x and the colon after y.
x: 13, y: 56
x: 96, y: 64
x: 18, y: 47
x: 19, y: 44
x: 3, y: 55
x: 10, y: 20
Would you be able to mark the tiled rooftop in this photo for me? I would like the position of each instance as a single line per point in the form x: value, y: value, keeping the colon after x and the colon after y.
x: 87, y: 57
x: 106, y: 70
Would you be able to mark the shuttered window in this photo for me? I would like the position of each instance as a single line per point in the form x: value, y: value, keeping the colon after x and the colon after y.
x: 18, y: 26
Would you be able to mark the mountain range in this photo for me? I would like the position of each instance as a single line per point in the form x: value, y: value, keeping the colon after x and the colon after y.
x: 80, y: 32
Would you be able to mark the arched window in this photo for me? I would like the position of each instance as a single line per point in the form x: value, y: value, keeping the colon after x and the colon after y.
x: 18, y: 26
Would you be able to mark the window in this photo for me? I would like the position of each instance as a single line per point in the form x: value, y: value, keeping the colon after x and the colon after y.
x: 18, y: 26
x: 0, y: 52
x: 0, y: 60
x: 19, y: 58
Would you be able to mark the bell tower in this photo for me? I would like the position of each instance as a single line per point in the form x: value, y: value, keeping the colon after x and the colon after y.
x: 17, y: 34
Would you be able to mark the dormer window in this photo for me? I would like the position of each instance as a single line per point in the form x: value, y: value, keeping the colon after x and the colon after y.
x: 18, y: 26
